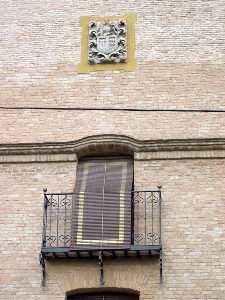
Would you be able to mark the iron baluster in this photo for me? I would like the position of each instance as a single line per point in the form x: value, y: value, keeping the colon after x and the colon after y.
x: 65, y: 222
x: 152, y: 200
x: 57, y: 222
x: 160, y: 217
x: 50, y: 221
x: 44, y: 218
x: 132, y: 217
x: 145, y: 216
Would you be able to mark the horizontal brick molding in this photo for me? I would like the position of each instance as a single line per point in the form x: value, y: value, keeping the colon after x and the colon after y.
x: 113, y: 144
x: 192, y: 154
x: 29, y: 158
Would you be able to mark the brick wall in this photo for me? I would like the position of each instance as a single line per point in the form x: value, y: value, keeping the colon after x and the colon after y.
x: 192, y: 231
x: 192, y: 225
x: 180, y: 54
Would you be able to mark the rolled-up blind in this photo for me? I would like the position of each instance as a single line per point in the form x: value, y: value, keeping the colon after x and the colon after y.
x: 103, y: 296
x: 102, y: 203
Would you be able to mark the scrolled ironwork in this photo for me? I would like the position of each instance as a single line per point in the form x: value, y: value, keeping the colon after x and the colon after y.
x: 51, y: 240
x: 153, y: 237
x: 138, y: 237
x: 138, y: 198
x: 65, y: 240
x: 153, y: 198
x: 53, y: 201
x: 59, y: 217
x: 66, y: 201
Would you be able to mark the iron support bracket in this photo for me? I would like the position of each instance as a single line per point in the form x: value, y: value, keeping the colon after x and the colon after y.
x: 43, y: 269
x: 161, y: 266
x: 101, y: 275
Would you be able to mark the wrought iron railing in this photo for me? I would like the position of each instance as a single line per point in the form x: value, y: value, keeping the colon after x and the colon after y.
x: 58, y: 219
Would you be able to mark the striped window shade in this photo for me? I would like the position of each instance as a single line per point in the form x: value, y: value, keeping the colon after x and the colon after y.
x: 103, y: 296
x: 102, y: 203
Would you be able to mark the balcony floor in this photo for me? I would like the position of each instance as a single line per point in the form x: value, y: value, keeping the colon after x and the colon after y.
x: 132, y: 251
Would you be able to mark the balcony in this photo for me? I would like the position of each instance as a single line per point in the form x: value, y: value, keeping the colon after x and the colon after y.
x: 72, y: 231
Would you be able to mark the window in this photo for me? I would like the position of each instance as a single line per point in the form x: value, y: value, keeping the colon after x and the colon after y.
x: 102, y: 203
x: 103, y: 296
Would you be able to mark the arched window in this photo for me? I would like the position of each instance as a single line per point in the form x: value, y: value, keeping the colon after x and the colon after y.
x: 103, y: 296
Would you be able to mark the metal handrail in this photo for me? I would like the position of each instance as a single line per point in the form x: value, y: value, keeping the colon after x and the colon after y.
x: 146, y: 213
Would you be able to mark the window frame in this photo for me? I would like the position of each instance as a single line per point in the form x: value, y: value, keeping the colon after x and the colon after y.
x: 78, y: 235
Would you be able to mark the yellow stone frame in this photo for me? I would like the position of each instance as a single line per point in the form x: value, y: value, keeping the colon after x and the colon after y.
x: 79, y: 237
x: 130, y: 65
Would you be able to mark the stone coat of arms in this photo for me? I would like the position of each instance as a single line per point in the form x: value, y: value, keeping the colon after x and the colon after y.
x: 107, y: 42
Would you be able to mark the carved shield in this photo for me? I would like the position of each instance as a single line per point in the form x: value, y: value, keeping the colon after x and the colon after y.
x: 107, y: 44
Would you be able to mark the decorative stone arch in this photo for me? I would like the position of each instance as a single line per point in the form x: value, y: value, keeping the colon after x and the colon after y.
x: 105, y: 145
x: 105, y: 148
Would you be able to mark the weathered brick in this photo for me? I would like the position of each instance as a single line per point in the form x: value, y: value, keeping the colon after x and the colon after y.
x: 180, y: 55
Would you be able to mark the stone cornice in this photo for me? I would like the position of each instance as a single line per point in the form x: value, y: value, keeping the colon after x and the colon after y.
x: 103, y: 144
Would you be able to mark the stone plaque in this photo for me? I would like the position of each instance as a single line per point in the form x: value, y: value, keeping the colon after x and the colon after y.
x: 107, y: 42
